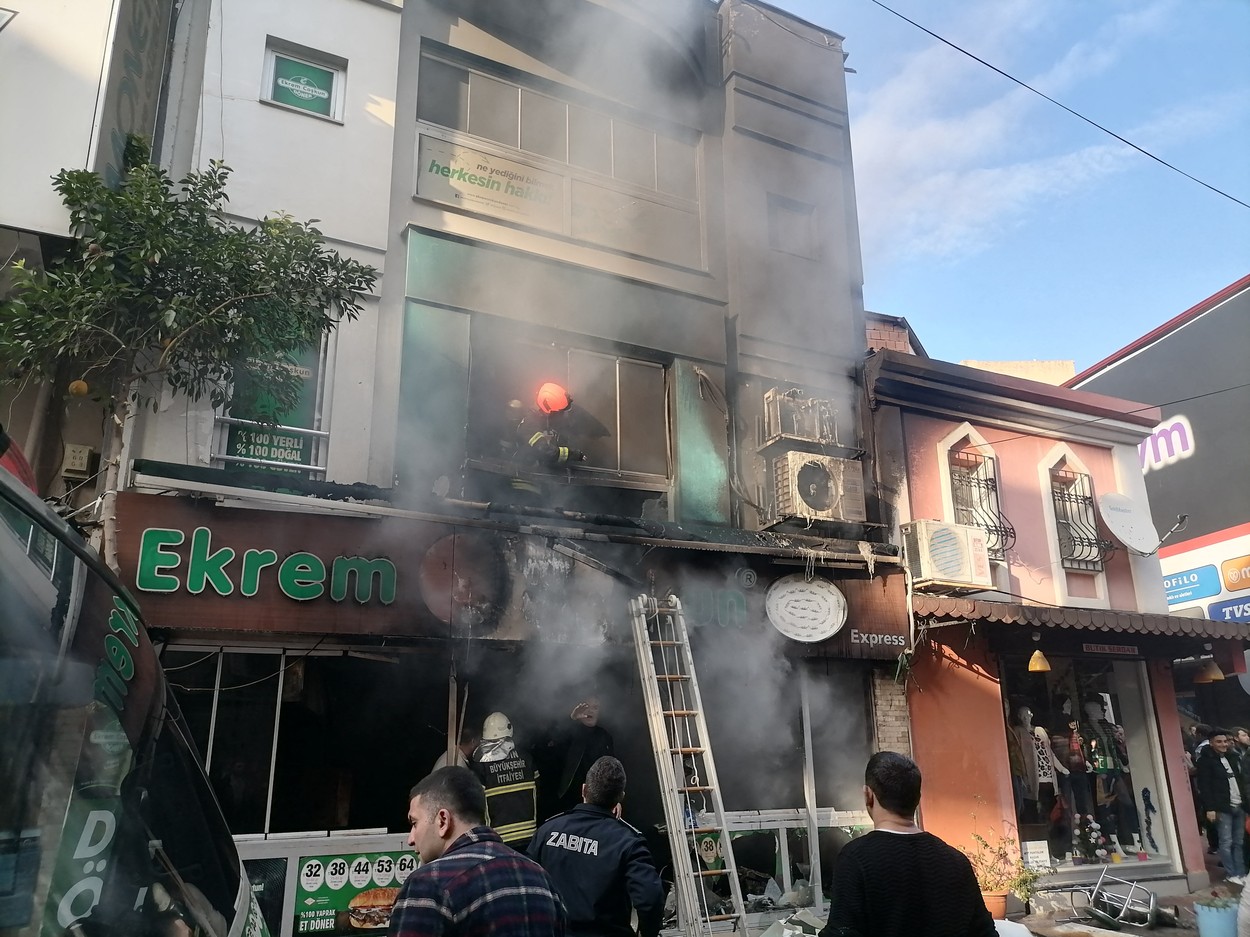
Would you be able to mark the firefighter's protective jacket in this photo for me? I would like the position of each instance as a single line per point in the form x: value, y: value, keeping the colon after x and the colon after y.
x: 511, y: 796
x: 538, y: 443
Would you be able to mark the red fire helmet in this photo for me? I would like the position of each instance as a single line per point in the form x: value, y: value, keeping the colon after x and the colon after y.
x: 552, y: 398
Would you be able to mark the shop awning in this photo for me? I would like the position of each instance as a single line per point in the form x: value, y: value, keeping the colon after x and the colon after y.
x: 950, y: 609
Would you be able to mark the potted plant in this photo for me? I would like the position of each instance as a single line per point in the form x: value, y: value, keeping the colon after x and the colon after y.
x: 1000, y: 869
x: 1217, y: 915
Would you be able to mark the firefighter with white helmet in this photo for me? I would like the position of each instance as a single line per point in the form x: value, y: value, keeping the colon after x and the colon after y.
x: 509, y: 777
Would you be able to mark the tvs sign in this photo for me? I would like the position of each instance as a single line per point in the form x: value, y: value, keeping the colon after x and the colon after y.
x: 1169, y: 442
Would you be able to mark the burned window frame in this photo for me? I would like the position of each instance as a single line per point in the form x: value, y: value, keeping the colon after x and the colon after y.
x: 488, y: 335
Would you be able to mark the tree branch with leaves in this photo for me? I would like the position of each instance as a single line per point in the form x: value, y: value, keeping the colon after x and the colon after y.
x: 161, y: 290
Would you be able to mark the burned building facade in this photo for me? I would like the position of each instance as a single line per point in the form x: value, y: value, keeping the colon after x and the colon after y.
x: 649, y: 205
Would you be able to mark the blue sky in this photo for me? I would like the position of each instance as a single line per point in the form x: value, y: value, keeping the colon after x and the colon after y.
x: 1003, y: 227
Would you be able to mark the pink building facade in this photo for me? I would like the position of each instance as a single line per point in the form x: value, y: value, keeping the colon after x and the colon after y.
x: 1001, y: 487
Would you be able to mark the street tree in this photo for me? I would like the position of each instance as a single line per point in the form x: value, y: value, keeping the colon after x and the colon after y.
x: 160, y: 290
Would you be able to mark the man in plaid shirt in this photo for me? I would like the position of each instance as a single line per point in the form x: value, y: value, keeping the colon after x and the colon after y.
x: 469, y: 884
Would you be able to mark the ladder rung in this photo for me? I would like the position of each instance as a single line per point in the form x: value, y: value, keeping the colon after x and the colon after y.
x: 672, y: 676
x: 666, y: 644
x: 708, y: 873
x: 686, y: 751
x: 712, y: 918
x: 676, y: 713
x: 700, y: 830
x: 694, y: 790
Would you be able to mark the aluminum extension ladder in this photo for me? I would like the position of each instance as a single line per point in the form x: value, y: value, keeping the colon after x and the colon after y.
x: 683, y: 758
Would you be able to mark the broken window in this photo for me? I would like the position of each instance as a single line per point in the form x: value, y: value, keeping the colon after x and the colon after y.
x: 619, y: 417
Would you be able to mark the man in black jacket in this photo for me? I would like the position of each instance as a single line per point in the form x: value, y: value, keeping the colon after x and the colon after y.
x: 897, y: 881
x: 601, y: 864
x: 1222, y: 789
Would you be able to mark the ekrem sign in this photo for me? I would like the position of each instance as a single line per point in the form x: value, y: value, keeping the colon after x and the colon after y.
x: 300, y: 576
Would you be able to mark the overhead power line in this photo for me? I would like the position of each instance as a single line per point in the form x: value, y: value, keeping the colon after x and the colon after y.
x: 1078, y: 114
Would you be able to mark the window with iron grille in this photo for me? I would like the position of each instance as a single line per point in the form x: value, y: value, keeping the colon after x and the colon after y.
x: 1076, y: 523
x: 974, y: 495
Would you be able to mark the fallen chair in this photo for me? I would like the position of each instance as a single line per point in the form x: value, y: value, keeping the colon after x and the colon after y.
x: 1109, y: 906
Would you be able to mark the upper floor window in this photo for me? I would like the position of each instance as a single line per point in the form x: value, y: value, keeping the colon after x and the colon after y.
x: 974, y: 496
x: 620, y: 415
x: 304, y: 79
x: 1076, y: 520
x: 460, y: 98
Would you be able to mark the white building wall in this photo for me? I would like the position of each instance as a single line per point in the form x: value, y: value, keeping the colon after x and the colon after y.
x: 52, y: 62
x: 311, y: 167
x: 336, y: 171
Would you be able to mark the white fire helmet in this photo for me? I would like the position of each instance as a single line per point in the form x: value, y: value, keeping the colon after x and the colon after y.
x: 496, y: 726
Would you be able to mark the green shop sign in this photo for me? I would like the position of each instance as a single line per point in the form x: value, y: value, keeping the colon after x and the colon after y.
x: 302, y: 84
x: 300, y: 576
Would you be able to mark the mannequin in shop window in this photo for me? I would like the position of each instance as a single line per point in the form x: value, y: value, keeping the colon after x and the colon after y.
x: 1049, y: 806
x: 1026, y: 804
x: 1015, y: 760
x: 1107, y: 754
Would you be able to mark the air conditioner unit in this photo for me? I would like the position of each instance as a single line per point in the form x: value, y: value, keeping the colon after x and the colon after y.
x: 950, y: 557
x: 812, y: 487
x: 791, y: 415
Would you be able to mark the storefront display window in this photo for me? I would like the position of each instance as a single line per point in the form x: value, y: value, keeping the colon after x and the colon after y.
x: 1081, y: 753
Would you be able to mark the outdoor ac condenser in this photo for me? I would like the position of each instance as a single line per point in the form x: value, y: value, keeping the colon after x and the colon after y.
x: 947, y: 557
x: 813, y: 487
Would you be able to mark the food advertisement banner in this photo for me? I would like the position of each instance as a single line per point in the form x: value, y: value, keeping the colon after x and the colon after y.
x: 349, y: 894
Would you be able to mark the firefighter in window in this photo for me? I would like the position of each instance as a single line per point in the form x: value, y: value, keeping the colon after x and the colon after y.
x: 536, y: 440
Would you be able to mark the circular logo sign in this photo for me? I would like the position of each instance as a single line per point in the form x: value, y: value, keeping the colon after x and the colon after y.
x: 805, y: 610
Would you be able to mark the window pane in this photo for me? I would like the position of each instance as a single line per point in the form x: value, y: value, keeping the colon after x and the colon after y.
x: 1081, y: 734
x: 543, y: 126
x: 644, y: 433
x: 502, y: 369
x: 590, y: 140
x: 192, y: 675
x: 675, y: 161
x: 493, y: 109
x: 443, y: 94
x: 633, y: 154
x: 243, y: 740
x: 592, y: 381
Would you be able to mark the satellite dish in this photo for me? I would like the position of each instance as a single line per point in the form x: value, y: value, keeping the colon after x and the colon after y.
x: 807, y: 611
x: 1129, y: 521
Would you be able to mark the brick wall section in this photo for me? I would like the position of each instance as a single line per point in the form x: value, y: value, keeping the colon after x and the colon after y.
x: 891, y: 720
x: 891, y: 337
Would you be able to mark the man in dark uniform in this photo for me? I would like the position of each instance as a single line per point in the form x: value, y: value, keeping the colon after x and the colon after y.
x: 599, y: 863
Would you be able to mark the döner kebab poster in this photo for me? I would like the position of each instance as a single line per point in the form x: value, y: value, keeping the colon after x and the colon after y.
x: 349, y: 894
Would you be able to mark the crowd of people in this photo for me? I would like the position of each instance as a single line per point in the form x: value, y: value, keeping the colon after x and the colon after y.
x: 587, y: 872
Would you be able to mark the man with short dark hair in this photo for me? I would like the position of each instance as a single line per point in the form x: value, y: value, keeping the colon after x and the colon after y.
x: 469, y: 884
x: 897, y: 881
x: 1221, y: 787
x: 600, y: 864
